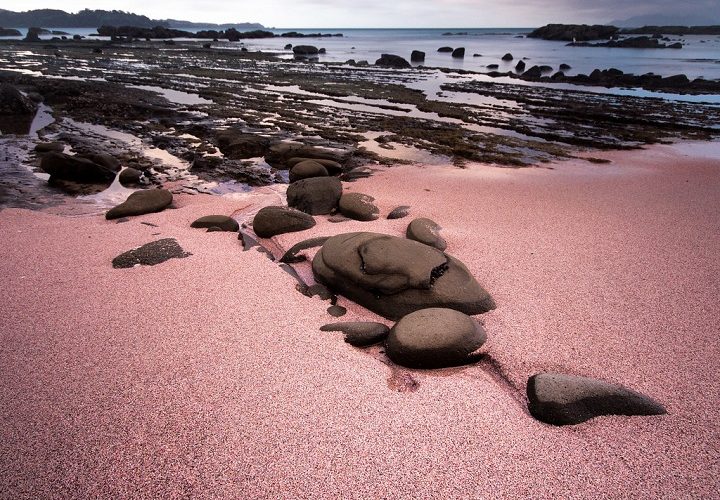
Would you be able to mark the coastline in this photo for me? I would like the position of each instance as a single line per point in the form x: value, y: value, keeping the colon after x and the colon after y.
x: 208, y: 376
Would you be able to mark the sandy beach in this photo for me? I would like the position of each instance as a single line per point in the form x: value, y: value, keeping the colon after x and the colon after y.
x: 208, y: 376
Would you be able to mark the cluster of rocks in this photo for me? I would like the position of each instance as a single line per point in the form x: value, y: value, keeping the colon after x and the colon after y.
x: 574, y: 32
x: 639, y: 42
x: 458, y: 52
x: 230, y: 34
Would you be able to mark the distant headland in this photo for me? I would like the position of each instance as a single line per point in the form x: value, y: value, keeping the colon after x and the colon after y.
x: 88, y: 18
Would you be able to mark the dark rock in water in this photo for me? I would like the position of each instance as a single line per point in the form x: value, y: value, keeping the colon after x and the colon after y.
x: 520, y: 66
x: 305, y: 50
x: 332, y: 167
x: 507, y: 57
x: 395, y: 276
x: 279, y: 153
x: 533, y: 72
x: 445, y: 49
x: 459, y: 53
x: 76, y: 169
x: 336, y: 311
x: 141, y: 202
x: 477, y: 55
x: 358, y: 206
x: 307, y: 169
x: 207, y: 45
x: 288, y: 46
x: 150, y: 254
x: 399, y: 212
x: 291, y: 257
x: 557, y: 76
x: 13, y: 102
x: 577, y: 32
x: 236, y: 144
x: 545, y: 68
x: 131, y: 177
x: 50, y: 147
x: 274, y: 220
x: 565, y: 67
x: 359, y: 333
x: 322, y: 50
x: 427, y: 232
x: 315, y: 196
x: 9, y: 32
x: 417, y: 56
x: 33, y: 34
x: 392, y: 61
x: 222, y: 222
x: 675, y: 81
x: 435, y: 338
x: 559, y: 399
x: 97, y: 50
x: 492, y: 66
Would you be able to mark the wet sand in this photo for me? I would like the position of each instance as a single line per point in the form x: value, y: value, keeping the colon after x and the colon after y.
x: 208, y: 376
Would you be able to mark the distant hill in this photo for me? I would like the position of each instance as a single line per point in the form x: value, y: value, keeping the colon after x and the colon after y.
x: 692, y: 19
x: 94, y: 18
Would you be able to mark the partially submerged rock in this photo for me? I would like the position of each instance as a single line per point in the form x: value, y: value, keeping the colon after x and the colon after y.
x: 315, y: 196
x: 395, y: 276
x: 435, y: 338
x: 141, y: 202
x: 392, y: 61
x: 427, y: 232
x: 221, y: 222
x: 559, y: 399
x: 358, y: 206
x: 359, y: 333
x: 150, y: 254
x: 417, y: 56
x: 274, y: 220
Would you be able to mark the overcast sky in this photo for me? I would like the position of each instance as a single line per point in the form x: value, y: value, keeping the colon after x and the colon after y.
x: 383, y: 13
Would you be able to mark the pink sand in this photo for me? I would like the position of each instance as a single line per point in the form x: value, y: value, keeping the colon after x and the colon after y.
x: 208, y: 376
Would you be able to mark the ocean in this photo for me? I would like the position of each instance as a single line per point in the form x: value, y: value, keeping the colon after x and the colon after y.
x: 699, y: 57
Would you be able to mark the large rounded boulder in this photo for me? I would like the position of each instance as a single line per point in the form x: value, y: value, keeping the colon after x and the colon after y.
x: 141, y: 202
x: 392, y: 61
x: 358, y: 206
x: 394, y: 276
x: 274, y: 220
x: 307, y: 169
x: 315, y: 196
x: 435, y: 338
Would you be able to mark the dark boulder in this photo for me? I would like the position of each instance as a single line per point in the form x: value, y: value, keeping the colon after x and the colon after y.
x: 459, y: 53
x: 359, y: 333
x: 76, y: 169
x: 392, y: 61
x: 332, y: 167
x: 492, y: 66
x: 279, y: 153
x: 9, y: 32
x: 222, y: 222
x: 305, y: 50
x: 106, y: 160
x: 395, y: 276
x: 132, y: 177
x: 532, y: 73
x: 675, y: 81
x: 559, y: 399
x: 520, y: 66
x: 358, y: 206
x: 445, y: 49
x: 417, y: 56
x: 307, y: 169
x: 288, y: 46
x: 565, y: 67
x: 322, y: 50
x: 274, y: 220
x: 574, y: 32
x: 427, y: 232
x: 13, y: 103
x: 507, y: 57
x: 236, y: 144
x: 435, y: 338
x: 150, y: 254
x: 50, y: 147
x: 141, y: 202
x: 399, y: 212
x: 315, y: 196
x: 33, y: 34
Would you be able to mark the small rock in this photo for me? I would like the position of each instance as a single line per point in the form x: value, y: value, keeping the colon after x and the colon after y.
x: 150, y: 254
x: 274, y: 220
x: 336, y: 311
x: 559, y: 399
x: 222, y: 222
x: 358, y: 206
x: 399, y: 212
x: 359, y: 333
x: 141, y: 202
x: 426, y: 231
x: 417, y: 56
x: 131, y: 177
x: 435, y: 338
x: 445, y: 49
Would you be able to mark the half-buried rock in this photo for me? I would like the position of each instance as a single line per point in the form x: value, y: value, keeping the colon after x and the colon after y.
x: 271, y: 221
x: 359, y: 333
x: 150, y: 254
x: 358, y: 206
x: 426, y: 231
x: 222, y: 222
x: 307, y: 169
x: 141, y: 202
x: 435, y: 338
x: 395, y: 276
x: 559, y: 399
x: 315, y: 196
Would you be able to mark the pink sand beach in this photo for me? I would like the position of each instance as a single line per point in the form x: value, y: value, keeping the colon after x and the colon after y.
x: 208, y: 376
